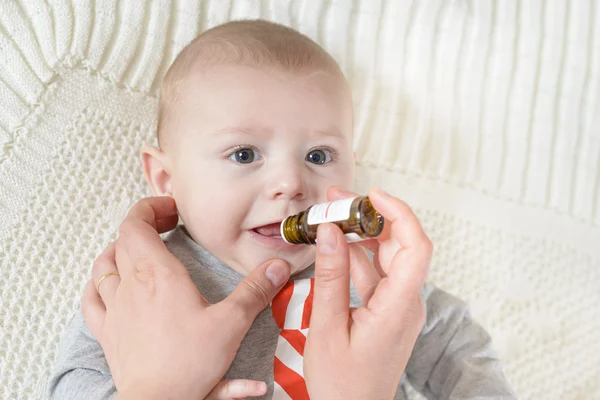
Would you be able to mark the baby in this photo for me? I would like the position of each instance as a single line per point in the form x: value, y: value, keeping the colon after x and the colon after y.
x: 256, y: 124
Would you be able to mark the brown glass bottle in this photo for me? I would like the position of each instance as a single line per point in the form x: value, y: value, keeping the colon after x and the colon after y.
x: 356, y: 217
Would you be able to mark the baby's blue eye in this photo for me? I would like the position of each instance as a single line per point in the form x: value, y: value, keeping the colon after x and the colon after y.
x: 244, y: 156
x: 320, y: 156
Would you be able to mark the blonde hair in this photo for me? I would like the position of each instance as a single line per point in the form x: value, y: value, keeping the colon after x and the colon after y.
x: 256, y: 43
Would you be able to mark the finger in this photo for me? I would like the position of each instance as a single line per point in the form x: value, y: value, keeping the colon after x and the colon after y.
x: 255, y: 292
x: 140, y: 249
x: 373, y: 246
x: 331, y: 298
x: 166, y: 224
x: 410, y: 264
x: 105, y: 264
x: 237, y: 388
x: 364, y: 275
x: 410, y: 268
x: 152, y: 209
x: 405, y: 226
x: 93, y: 309
x: 146, y: 269
x: 337, y: 193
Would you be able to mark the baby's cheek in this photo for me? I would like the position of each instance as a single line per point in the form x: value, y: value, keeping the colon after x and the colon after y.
x: 218, y: 226
x: 200, y: 224
x: 210, y: 227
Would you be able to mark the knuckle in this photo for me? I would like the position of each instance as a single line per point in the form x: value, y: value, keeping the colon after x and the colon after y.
x: 130, y: 225
x: 224, y: 389
x: 257, y: 291
x: 120, y: 247
x: 404, y: 208
x: 144, y: 209
x: 142, y: 204
x: 100, y: 263
x: 426, y: 245
x: 146, y: 274
x: 404, y: 205
x: 123, y: 228
x: 430, y: 246
x: 327, y: 275
x: 424, y: 249
x: 119, y: 243
x: 96, y: 266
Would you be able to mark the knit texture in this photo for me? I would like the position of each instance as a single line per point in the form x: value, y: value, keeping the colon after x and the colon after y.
x: 483, y: 115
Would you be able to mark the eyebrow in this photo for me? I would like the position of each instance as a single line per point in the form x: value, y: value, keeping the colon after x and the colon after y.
x: 237, y: 130
x: 335, y: 132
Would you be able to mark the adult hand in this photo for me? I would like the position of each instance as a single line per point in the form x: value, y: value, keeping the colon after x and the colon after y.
x: 362, y: 353
x: 161, y: 338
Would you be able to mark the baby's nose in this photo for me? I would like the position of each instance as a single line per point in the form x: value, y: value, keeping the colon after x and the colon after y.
x: 288, y: 183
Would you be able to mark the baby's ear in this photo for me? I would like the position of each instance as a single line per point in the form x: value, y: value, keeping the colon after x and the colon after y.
x: 157, y: 170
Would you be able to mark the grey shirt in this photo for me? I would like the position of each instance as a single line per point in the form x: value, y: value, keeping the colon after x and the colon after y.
x: 452, y: 359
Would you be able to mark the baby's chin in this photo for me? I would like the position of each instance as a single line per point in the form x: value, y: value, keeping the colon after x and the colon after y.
x: 297, y: 268
x: 297, y: 262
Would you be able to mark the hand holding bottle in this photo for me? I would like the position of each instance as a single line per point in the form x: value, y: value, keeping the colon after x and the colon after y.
x: 362, y: 353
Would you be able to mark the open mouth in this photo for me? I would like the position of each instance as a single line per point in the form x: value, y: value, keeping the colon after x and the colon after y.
x: 269, y: 236
x: 270, y: 230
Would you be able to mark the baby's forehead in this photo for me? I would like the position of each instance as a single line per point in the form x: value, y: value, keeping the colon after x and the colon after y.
x: 228, y: 85
x: 258, y: 44
x: 218, y: 75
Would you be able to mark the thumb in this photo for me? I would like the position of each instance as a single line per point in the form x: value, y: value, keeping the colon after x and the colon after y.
x: 257, y: 290
x: 331, y: 299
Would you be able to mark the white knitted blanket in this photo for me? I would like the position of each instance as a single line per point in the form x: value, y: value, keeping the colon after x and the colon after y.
x: 484, y: 115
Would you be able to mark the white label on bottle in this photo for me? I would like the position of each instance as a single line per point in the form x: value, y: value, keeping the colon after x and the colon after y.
x: 353, y: 238
x: 338, y: 210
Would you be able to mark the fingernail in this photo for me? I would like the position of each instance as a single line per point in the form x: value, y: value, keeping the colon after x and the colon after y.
x: 380, y: 192
x: 326, y: 240
x: 277, y: 272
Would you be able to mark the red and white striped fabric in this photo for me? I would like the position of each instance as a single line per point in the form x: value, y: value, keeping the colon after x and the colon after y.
x: 291, y: 309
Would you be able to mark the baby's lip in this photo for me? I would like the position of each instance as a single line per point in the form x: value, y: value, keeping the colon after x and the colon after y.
x: 271, y: 229
x: 269, y: 235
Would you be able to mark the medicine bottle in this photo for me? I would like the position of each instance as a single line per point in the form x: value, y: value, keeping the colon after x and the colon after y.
x: 356, y: 217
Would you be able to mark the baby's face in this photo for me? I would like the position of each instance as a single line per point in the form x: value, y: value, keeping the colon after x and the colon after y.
x: 252, y: 147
